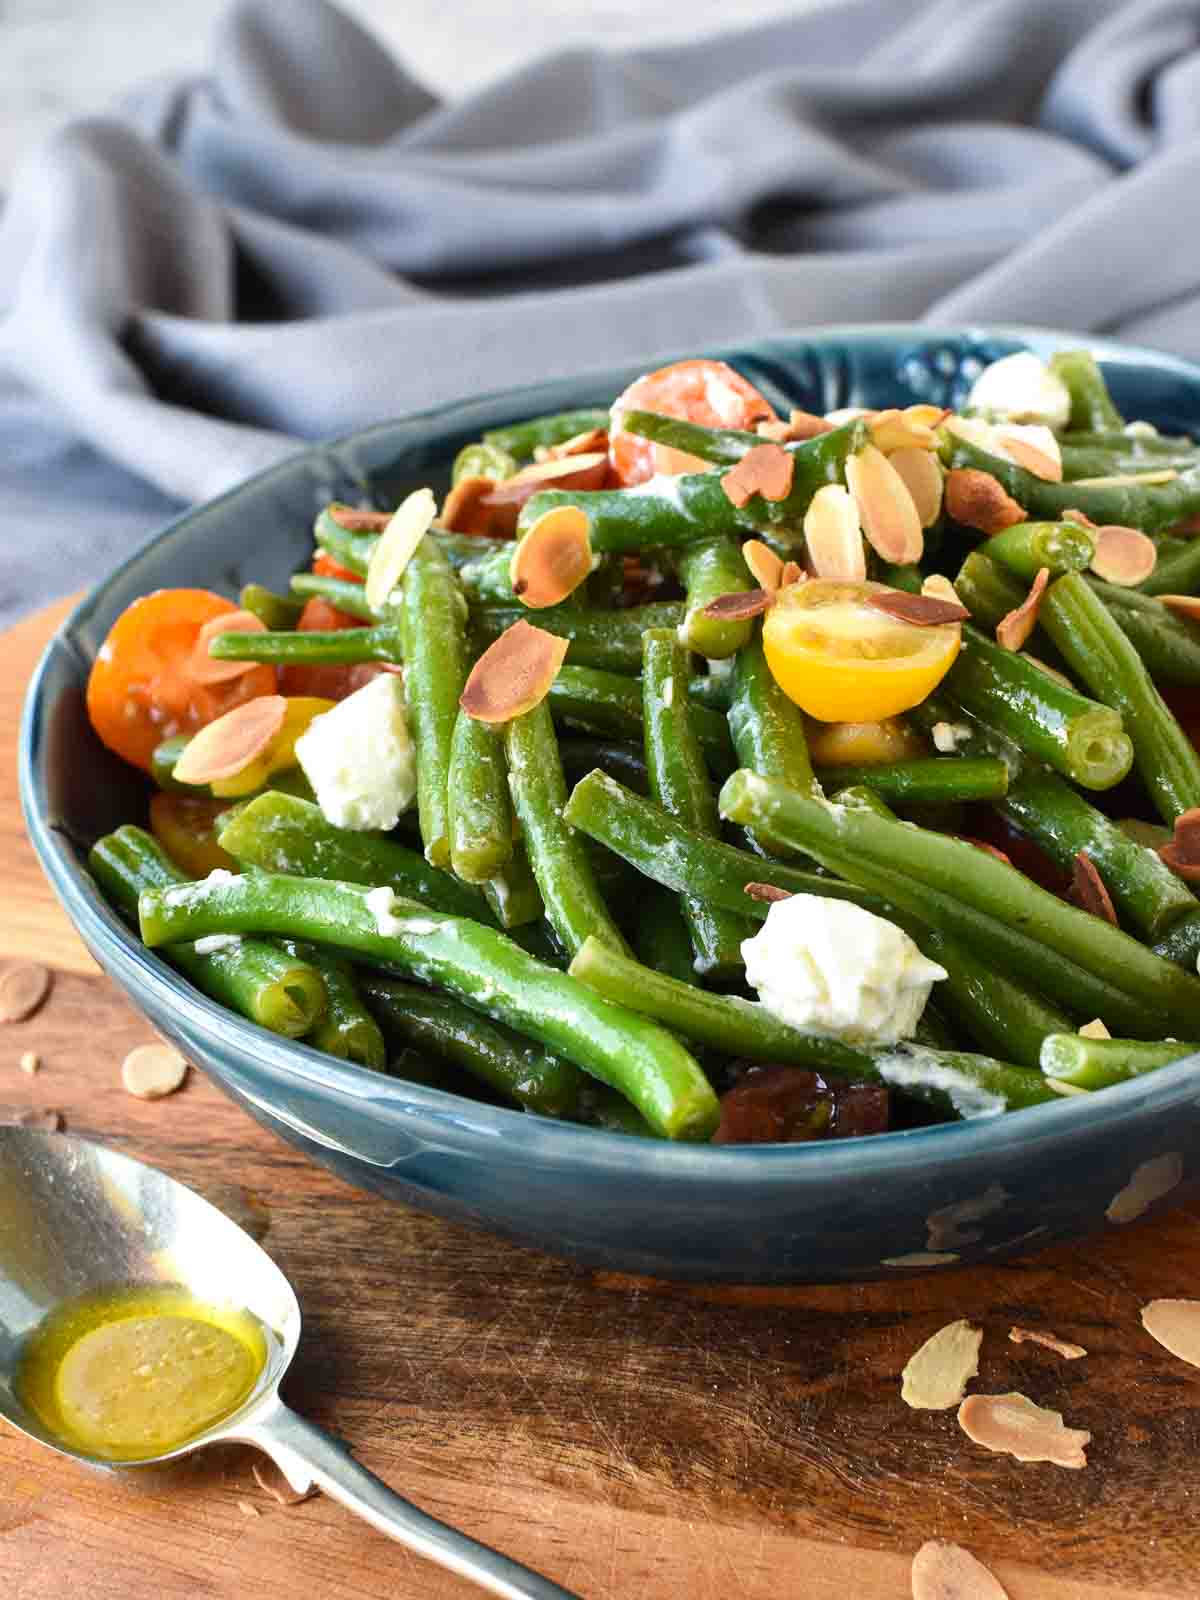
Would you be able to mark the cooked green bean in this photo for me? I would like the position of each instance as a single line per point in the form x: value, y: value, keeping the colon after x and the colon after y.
x: 625, y: 762
x: 276, y: 611
x: 346, y: 594
x: 481, y: 822
x: 1117, y: 439
x: 353, y: 550
x: 708, y: 569
x: 767, y: 729
x: 338, y: 647
x: 1028, y: 546
x: 346, y: 1029
x: 1091, y: 404
x: 988, y: 590
x: 523, y: 438
x: 608, y: 640
x: 609, y: 703
x: 1081, y: 461
x: 432, y: 623
x: 290, y: 780
x: 661, y: 937
x: 936, y: 781
x: 1099, y: 1063
x: 994, y: 1011
x: 1169, y: 646
x: 478, y: 964
x: 1177, y: 570
x: 513, y: 895
x: 482, y: 460
x: 712, y: 689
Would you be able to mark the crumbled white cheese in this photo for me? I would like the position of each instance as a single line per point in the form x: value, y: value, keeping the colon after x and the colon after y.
x: 212, y: 942
x: 829, y: 967
x: 218, y: 876
x: 947, y: 736
x: 1141, y: 430
x: 1022, y: 388
x: 359, y: 757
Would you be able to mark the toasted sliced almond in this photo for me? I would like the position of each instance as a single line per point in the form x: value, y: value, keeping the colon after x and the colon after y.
x: 513, y: 674
x: 1013, y: 630
x: 978, y: 500
x: 202, y: 668
x: 898, y: 430
x: 1130, y: 480
x: 740, y: 606
x: 948, y: 1572
x: 1123, y: 555
x: 1013, y: 1424
x: 1148, y: 1183
x: 1183, y: 605
x: 410, y: 522
x: 23, y: 987
x: 922, y: 610
x: 1095, y: 1029
x: 552, y: 559
x: 355, y: 520
x: 1176, y: 1326
x: 464, y: 510
x: 938, y: 587
x: 153, y: 1070
x: 844, y: 414
x: 233, y: 741
x: 572, y: 472
x: 1088, y: 889
x: 931, y: 416
x: 937, y: 1374
x: 270, y: 1480
x: 1187, y: 836
x: 988, y: 849
x: 792, y: 573
x: 1061, y: 1347
x: 765, y: 566
x: 1080, y: 518
x: 766, y: 469
x: 580, y: 444
x: 766, y: 891
x: 800, y: 425
x: 833, y: 535
x: 1035, y: 449
x: 923, y: 478
x: 889, y: 516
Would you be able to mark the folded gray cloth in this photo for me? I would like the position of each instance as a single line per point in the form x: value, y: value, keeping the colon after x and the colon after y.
x: 305, y: 241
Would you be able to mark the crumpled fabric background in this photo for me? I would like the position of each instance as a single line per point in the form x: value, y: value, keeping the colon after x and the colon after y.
x: 304, y: 240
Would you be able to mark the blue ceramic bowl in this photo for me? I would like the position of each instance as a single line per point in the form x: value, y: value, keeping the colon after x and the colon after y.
x: 903, y: 1202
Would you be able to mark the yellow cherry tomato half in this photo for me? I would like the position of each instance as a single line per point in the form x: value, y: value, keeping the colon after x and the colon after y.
x: 185, y: 826
x: 842, y: 660
x: 302, y: 709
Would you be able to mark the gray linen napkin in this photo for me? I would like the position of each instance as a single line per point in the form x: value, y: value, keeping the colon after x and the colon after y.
x: 304, y: 240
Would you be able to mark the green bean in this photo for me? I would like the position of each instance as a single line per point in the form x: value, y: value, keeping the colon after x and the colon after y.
x: 994, y: 1011
x: 600, y: 1107
x: 251, y: 977
x: 1028, y: 546
x: 290, y: 780
x: 905, y: 576
x: 273, y: 610
x: 680, y: 784
x: 281, y: 833
x: 1117, y: 439
x: 522, y: 1073
x: 1078, y: 737
x: 1182, y: 944
x: 981, y: 902
x: 354, y: 550
x: 1091, y: 404
x: 988, y: 590
x: 767, y: 729
x: 488, y: 578
x: 1100, y: 656
x: 952, y: 1081
x: 477, y: 964
x: 1099, y: 1063
x: 708, y: 569
x: 1080, y: 461
x: 338, y: 647
x: 574, y: 905
x: 432, y: 622
x: 609, y: 640
x: 481, y: 822
x: 712, y: 689
x: 1177, y: 570
x: 482, y: 460
x: 724, y: 447
x: 513, y: 895
x: 625, y: 762
x: 607, y: 703
x: 939, y: 780
x: 346, y: 594
x: 661, y: 937
x: 347, y: 1029
x: 523, y: 438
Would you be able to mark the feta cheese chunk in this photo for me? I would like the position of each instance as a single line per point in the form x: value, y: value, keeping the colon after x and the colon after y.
x: 828, y: 967
x: 1022, y: 388
x: 359, y: 757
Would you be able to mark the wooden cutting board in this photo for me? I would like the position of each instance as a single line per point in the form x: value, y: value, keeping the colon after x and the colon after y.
x: 626, y: 1437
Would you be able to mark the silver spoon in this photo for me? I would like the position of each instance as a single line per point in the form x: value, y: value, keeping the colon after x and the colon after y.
x: 76, y: 1218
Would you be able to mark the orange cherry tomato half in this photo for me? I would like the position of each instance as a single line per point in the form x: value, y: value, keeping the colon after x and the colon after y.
x: 707, y: 392
x: 326, y: 683
x: 325, y: 566
x: 141, y: 690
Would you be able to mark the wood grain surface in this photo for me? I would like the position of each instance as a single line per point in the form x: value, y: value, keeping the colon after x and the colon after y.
x: 626, y: 1437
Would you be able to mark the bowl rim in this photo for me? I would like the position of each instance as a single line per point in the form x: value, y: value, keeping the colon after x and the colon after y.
x: 541, y: 1138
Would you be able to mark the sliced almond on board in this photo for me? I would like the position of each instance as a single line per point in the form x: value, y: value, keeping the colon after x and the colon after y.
x: 922, y: 610
x: 1123, y: 555
x: 270, y: 1480
x: 978, y: 500
x: 153, y: 1070
x: 833, y: 535
x: 410, y: 522
x: 936, y: 1376
x: 766, y: 469
x: 356, y: 520
x: 1013, y: 630
x: 203, y: 668
x: 233, y: 741
x: 924, y: 480
x: 1089, y: 891
x: 1014, y: 1425
x: 739, y: 606
x: 513, y: 674
x: 1176, y: 1326
x: 765, y: 566
x: 23, y: 987
x: 1061, y: 1347
x: 572, y: 472
x: 1183, y: 605
x: 889, y: 516
x: 948, y: 1572
x: 552, y: 559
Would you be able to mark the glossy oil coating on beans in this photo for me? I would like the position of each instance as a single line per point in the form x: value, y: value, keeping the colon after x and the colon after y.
x: 767, y: 729
x: 481, y: 822
x: 433, y: 627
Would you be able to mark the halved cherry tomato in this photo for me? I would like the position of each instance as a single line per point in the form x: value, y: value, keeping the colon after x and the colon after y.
x: 326, y: 683
x: 141, y: 690
x: 326, y: 567
x: 184, y: 825
x: 707, y: 392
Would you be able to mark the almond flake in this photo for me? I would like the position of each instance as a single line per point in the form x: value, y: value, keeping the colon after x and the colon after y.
x: 1013, y: 1424
x: 1183, y: 605
x: 1061, y: 1347
x: 978, y: 500
x: 1031, y: 458
x: 203, y: 668
x: 355, y: 520
x: 766, y: 469
x: 765, y: 566
x: 153, y: 1070
x: 1088, y: 889
x: 936, y: 1376
x: 922, y: 477
x: 513, y: 674
x: 580, y: 444
x: 889, y: 516
x: 247, y: 1509
x: 571, y: 472
x: 766, y: 891
x: 270, y: 1480
x: 1129, y: 480
x: 988, y: 849
x: 739, y: 606
x: 833, y: 535
x: 232, y: 742
x: 1097, y: 1028
x: 464, y: 510
x: 1187, y: 836
x: 1176, y: 1326
x: 1013, y: 630
x: 552, y: 559
x: 792, y: 573
x: 937, y: 587
x: 23, y: 987
x: 1080, y: 518
x: 948, y: 1572
x: 897, y: 430
x: 922, y: 610
x: 801, y: 425
x: 30, y: 1063
x: 1123, y: 555
x: 410, y: 522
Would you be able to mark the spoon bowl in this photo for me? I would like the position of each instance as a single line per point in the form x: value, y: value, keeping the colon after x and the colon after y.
x: 77, y: 1219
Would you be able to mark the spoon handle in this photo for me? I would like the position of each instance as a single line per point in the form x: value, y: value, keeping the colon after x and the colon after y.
x: 308, y: 1456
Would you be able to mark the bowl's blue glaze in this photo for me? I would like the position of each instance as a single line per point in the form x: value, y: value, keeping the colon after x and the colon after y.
x: 899, y: 1203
